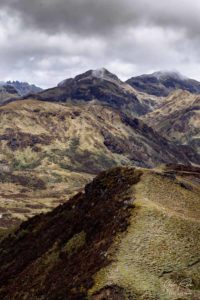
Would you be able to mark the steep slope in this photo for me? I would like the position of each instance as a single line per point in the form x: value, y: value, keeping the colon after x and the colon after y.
x: 24, y: 88
x: 100, y: 86
x: 48, y: 151
x: 132, y: 234
x: 163, y: 83
x: 178, y: 119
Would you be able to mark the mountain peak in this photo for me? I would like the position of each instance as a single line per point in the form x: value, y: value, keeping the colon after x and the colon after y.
x: 101, y: 74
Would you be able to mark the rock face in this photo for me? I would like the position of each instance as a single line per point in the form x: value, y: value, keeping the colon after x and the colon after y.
x: 24, y: 88
x: 58, y: 149
x: 97, y: 85
x: 163, y: 83
x: 132, y: 234
x: 178, y: 119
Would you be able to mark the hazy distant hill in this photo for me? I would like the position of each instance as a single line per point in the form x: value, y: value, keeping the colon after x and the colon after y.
x: 24, y: 88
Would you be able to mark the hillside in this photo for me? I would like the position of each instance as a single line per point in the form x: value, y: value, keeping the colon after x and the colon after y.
x: 132, y: 234
x: 163, y: 83
x: 49, y: 151
x: 178, y: 119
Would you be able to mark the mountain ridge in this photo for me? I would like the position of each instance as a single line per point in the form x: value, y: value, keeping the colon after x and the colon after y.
x: 132, y: 233
x: 96, y: 85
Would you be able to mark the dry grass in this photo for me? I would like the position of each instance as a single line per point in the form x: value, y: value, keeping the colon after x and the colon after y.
x: 63, y: 146
x: 159, y: 254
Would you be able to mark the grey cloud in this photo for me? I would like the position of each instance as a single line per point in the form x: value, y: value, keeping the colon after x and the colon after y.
x: 103, y: 16
x: 79, y: 16
x: 45, y: 41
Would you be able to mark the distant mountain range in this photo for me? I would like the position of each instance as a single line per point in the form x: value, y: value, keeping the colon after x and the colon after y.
x: 22, y: 88
x: 138, y: 95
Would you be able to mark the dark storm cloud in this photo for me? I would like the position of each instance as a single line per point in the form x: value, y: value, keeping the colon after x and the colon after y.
x: 80, y: 16
x: 44, y: 41
x: 103, y: 16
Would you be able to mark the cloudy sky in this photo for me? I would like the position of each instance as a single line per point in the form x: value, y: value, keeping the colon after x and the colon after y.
x: 45, y: 41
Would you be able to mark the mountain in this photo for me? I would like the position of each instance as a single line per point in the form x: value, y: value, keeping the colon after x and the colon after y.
x: 24, y: 88
x: 48, y: 151
x: 131, y: 234
x: 163, y: 83
x: 7, y: 92
x: 100, y: 86
x: 178, y: 119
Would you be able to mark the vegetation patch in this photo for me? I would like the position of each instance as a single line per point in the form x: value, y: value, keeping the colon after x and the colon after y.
x: 76, y: 242
x: 26, y: 159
